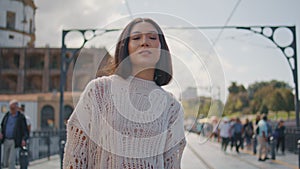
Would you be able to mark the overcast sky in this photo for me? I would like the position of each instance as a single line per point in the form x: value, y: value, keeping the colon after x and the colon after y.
x: 244, y: 57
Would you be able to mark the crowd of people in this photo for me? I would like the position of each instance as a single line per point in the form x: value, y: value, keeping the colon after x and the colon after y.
x: 252, y: 136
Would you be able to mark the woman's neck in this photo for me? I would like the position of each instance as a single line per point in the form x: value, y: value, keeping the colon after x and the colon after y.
x: 147, y: 74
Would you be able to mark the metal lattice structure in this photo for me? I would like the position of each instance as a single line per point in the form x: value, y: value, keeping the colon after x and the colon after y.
x: 67, y: 54
x: 291, y: 58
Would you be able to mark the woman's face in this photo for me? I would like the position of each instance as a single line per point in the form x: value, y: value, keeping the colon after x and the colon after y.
x: 144, y: 45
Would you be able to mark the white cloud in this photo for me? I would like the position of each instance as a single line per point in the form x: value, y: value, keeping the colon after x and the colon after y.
x: 52, y: 17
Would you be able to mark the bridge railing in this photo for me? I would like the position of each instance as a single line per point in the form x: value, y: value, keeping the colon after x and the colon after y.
x: 292, y: 135
x: 44, y: 144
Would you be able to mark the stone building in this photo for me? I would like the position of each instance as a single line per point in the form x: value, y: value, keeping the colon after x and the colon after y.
x: 17, y: 23
x: 32, y: 75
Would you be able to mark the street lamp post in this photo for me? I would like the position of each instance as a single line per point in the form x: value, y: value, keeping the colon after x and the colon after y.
x: 67, y: 56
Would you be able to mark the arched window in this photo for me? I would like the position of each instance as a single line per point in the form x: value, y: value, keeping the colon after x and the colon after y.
x: 47, y: 117
x: 68, y: 112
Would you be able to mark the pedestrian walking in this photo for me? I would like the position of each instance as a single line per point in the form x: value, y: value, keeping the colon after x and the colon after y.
x: 263, y: 139
x: 224, y: 133
x: 28, y: 119
x: 248, y: 133
x: 13, y: 134
x: 238, y: 131
x: 280, y: 135
x: 231, y: 133
x: 255, y: 136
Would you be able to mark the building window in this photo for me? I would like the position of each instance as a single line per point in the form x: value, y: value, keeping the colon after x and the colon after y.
x: 33, y: 82
x: 16, y: 60
x: 30, y: 27
x: 35, y: 61
x: 4, y: 109
x: 47, y: 117
x: 68, y: 111
x: 10, y: 20
x: 54, y: 82
x: 8, y: 84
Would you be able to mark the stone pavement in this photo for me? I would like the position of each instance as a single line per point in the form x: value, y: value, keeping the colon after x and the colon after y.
x: 206, y: 155
x: 211, y: 156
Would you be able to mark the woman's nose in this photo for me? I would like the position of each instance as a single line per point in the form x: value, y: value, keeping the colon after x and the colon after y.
x: 144, y: 41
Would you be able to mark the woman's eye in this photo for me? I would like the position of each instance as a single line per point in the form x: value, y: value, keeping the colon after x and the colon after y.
x: 135, y: 38
x: 153, y: 37
x: 138, y: 37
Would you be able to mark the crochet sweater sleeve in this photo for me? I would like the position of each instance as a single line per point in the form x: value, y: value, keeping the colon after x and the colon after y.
x: 76, y: 148
x: 175, y: 142
x: 77, y: 145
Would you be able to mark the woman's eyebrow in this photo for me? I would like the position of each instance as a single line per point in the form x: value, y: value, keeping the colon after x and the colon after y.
x: 138, y: 32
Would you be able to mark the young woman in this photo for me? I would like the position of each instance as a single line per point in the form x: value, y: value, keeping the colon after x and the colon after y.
x: 126, y: 120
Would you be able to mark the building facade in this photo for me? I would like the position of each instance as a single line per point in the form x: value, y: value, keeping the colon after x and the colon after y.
x: 29, y: 70
x: 17, y: 23
x: 32, y: 75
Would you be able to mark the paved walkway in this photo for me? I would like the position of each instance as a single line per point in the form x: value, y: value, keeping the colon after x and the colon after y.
x: 212, y: 157
x: 206, y: 155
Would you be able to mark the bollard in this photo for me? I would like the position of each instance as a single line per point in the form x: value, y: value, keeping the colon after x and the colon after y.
x: 62, y: 151
x: 254, y: 143
x: 272, y: 142
x: 48, y: 141
x: 0, y: 154
x: 298, y: 153
x: 23, y: 158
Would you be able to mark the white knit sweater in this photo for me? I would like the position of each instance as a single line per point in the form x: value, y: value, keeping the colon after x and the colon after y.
x: 132, y: 124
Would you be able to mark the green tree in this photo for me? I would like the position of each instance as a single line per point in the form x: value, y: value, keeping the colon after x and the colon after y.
x: 253, y: 88
x: 260, y: 98
x: 289, y: 103
x: 264, y: 109
x: 216, y: 109
x: 233, y: 88
x: 276, y: 102
x: 280, y: 85
x: 237, y: 100
x: 254, y: 106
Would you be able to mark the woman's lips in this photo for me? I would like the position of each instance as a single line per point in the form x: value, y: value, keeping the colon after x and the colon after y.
x: 145, y: 52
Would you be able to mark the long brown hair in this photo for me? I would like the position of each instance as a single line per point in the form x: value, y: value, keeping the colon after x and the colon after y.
x: 122, y: 66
